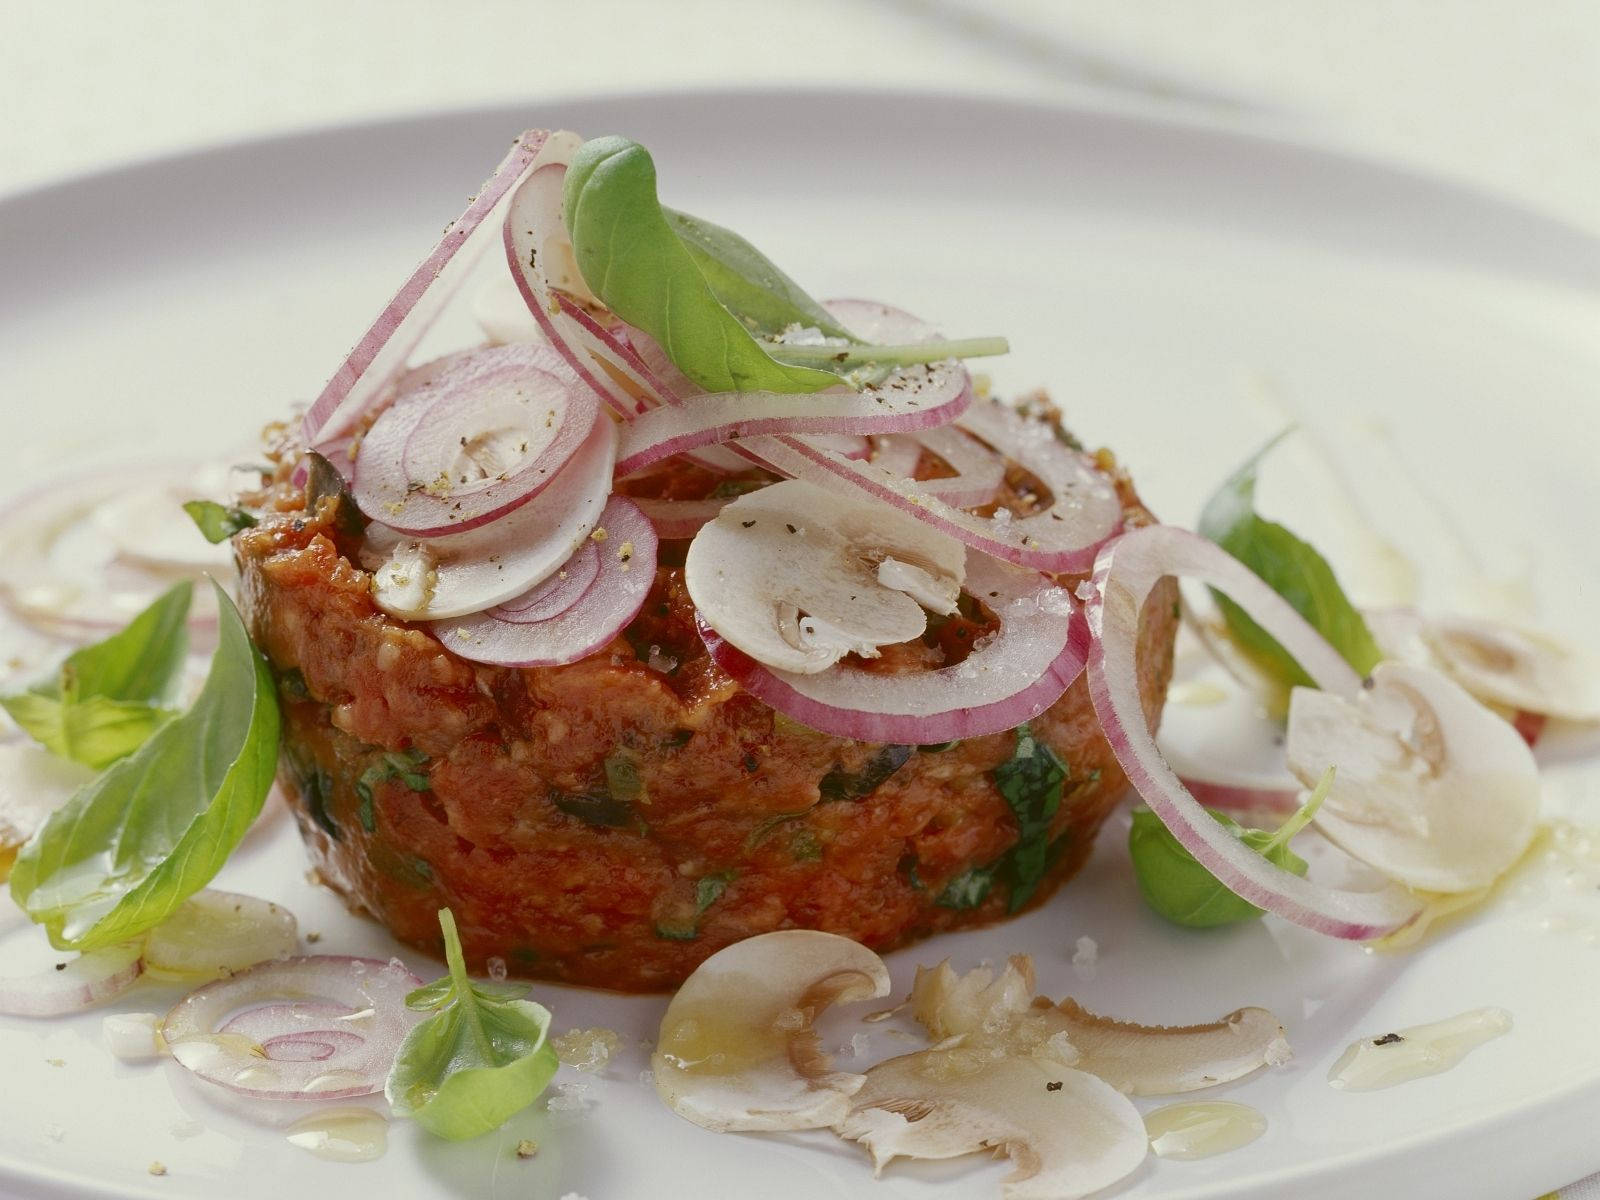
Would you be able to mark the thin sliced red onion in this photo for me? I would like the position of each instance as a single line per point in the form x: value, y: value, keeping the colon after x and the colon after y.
x: 316, y: 1028
x: 1051, y: 544
x: 1021, y: 670
x: 679, y: 519
x: 474, y: 571
x: 1241, y: 797
x: 557, y: 593
x: 979, y: 471
x: 713, y: 419
x: 472, y: 441
x: 382, y: 351
x: 1125, y: 574
x: 70, y: 983
x: 540, y: 254
x: 627, y: 558
x: 851, y: 445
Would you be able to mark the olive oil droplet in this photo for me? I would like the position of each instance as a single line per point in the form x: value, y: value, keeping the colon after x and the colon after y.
x: 1406, y: 1054
x: 342, y: 1134
x: 1201, y: 1128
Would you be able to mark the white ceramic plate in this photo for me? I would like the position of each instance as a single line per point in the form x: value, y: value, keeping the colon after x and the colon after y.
x: 1178, y: 288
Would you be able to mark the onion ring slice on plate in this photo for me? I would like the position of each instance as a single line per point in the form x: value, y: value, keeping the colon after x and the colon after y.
x: 323, y: 1027
x: 1124, y: 576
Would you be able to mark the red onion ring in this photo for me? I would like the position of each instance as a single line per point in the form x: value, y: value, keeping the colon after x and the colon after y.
x: 73, y: 983
x: 536, y: 237
x: 627, y: 570
x: 557, y: 593
x: 1067, y: 545
x: 493, y: 564
x: 979, y: 471
x: 316, y: 1028
x: 382, y: 351
x: 1033, y: 658
x: 1125, y: 574
x: 522, y: 391
x: 713, y: 419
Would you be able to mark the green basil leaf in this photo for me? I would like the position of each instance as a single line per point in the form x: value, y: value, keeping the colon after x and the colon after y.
x: 708, y: 890
x: 481, y: 1058
x: 106, y: 699
x: 747, y: 282
x: 1174, y: 883
x: 635, y: 263
x: 217, y: 522
x: 1293, y: 569
x: 136, y: 842
x: 1031, y: 781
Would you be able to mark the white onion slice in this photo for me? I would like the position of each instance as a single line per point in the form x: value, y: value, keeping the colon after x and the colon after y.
x: 626, y: 571
x: 382, y: 351
x: 1126, y: 573
x: 215, y: 934
x: 70, y: 982
x: 472, y: 440
x: 462, y: 573
x: 556, y: 594
x: 317, y: 1028
x: 1035, y: 656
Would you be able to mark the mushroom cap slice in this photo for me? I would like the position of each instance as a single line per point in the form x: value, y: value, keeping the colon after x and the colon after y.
x: 737, y: 1050
x: 1162, y: 1060
x: 1067, y: 1132
x: 1432, y: 789
x: 1516, y: 667
x: 797, y: 577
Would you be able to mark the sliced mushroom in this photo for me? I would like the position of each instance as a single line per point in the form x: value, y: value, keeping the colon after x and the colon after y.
x: 1067, y: 1133
x: 737, y: 1050
x: 1516, y: 667
x: 797, y: 577
x: 985, y: 1012
x: 1161, y: 1060
x: 1497, y: 663
x: 1432, y: 789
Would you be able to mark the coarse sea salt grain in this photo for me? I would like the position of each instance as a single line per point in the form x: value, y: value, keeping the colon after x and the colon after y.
x: 1086, y: 958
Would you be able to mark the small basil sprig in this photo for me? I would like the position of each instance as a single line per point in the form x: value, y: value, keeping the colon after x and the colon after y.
x: 708, y: 297
x: 1174, y: 883
x: 481, y: 1058
x: 106, y: 699
x: 153, y: 829
x: 217, y: 522
x: 1293, y: 569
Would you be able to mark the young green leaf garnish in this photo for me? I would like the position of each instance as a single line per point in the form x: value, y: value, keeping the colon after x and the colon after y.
x: 748, y: 283
x: 139, y: 840
x: 481, y: 1058
x: 715, y: 303
x: 106, y: 699
x: 1293, y: 569
x: 217, y: 522
x: 634, y: 262
x: 1181, y: 890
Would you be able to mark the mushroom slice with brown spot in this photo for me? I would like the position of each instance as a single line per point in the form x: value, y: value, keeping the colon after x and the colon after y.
x: 1431, y: 788
x: 1516, y: 667
x: 797, y: 577
x: 1161, y: 1060
x: 737, y: 1050
x: 1067, y: 1133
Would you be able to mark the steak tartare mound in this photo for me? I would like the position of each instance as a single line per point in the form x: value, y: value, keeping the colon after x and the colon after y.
x: 616, y: 820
